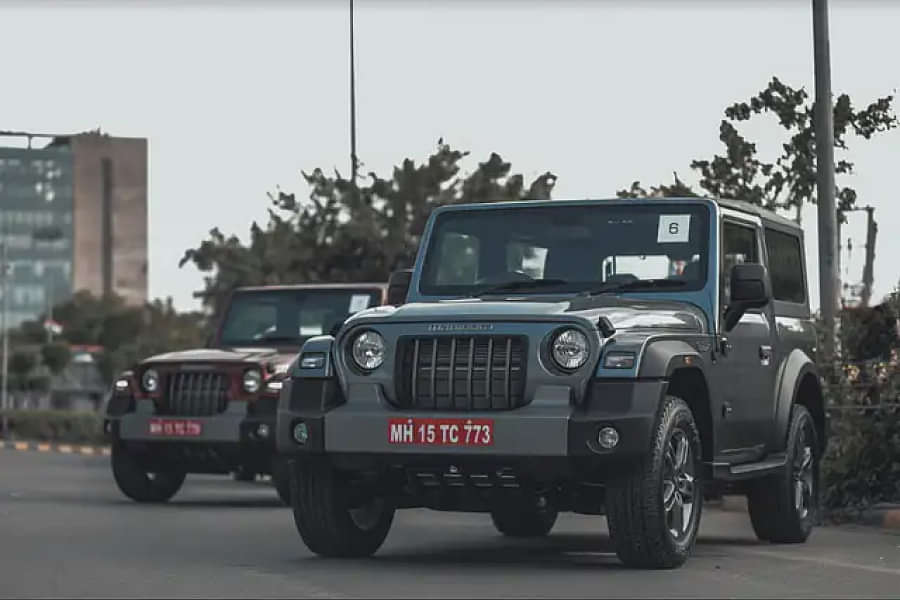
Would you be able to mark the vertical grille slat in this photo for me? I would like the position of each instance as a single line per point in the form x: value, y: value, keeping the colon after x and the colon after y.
x: 196, y: 394
x: 464, y: 373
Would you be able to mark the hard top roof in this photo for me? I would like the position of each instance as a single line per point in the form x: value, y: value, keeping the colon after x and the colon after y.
x: 312, y: 286
x: 738, y: 205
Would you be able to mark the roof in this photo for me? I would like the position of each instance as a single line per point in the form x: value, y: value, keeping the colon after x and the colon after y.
x: 738, y: 205
x: 312, y: 286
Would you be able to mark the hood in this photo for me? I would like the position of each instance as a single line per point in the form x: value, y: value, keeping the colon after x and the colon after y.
x: 623, y: 313
x: 226, y: 355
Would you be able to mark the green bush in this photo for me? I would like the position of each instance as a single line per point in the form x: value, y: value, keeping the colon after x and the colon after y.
x: 56, y: 426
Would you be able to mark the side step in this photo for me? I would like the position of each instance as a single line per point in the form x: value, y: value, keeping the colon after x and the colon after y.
x: 768, y: 466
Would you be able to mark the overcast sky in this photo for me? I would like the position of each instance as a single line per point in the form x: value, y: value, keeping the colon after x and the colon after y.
x: 237, y: 98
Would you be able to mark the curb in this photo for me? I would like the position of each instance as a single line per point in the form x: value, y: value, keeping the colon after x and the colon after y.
x: 884, y: 516
x: 57, y: 448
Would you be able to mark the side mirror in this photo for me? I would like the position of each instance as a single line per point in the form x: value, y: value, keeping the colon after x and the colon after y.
x: 749, y: 288
x: 398, y: 286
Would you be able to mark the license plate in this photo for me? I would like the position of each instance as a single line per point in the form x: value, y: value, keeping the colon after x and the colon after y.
x: 176, y: 427
x: 441, y: 432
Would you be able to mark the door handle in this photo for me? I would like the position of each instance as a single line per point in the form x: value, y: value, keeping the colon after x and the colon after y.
x: 765, y: 355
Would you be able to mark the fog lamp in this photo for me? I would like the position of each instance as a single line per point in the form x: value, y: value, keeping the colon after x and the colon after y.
x: 301, y: 433
x: 608, y: 437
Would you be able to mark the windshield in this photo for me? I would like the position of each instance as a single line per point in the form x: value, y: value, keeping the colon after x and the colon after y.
x: 289, y: 317
x: 567, y: 248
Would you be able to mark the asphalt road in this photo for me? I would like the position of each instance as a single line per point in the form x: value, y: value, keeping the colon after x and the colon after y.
x: 66, y: 531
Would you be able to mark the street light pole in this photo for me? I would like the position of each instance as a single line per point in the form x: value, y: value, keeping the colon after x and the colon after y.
x: 4, y: 323
x: 353, y: 160
x: 829, y: 277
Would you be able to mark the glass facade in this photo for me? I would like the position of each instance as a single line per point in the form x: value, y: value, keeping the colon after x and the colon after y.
x: 36, y: 226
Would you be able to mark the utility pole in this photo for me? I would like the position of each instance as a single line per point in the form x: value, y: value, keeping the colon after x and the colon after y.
x: 829, y: 276
x: 353, y: 159
x: 869, y: 269
x: 4, y: 323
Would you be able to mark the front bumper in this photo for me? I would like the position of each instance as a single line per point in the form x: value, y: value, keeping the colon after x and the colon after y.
x: 549, y: 427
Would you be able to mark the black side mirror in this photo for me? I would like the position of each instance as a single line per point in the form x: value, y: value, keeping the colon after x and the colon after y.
x: 398, y: 286
x: 749, y: 288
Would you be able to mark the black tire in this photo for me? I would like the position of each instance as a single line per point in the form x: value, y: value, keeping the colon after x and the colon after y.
x: 326, y: 523
x: 636, y: 505
x: 281, y: 480
x: 244, y: 474
x: 774, y: 512
x: 524, y: 519
x: 139, y: 484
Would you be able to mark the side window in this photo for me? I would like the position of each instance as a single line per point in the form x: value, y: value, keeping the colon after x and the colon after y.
x: 785, y: 266
x: 738, y: 246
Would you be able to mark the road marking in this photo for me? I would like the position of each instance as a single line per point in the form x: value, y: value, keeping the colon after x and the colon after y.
x: 43, y: 447
x: 21, y: 445
x: 822, y: 561
x: 65, y: 449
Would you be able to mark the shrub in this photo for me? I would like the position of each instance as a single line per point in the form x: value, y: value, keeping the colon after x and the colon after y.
x: 56, y: 426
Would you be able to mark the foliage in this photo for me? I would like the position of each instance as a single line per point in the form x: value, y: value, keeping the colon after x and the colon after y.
x: 789, y: 180
x: 21, y: 363
x: 347, y: 232
x: 56, y: 426
x: 56, y: 356
x: 126, y: 333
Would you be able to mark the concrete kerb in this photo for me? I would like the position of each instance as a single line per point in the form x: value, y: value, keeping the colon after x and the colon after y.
x: 886, y: 516
x: 81, y: 449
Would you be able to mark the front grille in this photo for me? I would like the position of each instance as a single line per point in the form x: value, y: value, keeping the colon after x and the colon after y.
x: 462, y: 373
x: 195, y: 394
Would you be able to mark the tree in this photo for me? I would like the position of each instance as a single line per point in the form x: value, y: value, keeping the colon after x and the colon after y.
x: 56, y: 356
x: 20, y: 366
x: 347, y: 232
x: 789, y: 180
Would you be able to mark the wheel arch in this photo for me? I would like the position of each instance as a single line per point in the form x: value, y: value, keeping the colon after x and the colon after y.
x: 685, y: 371
x: 799, y: 383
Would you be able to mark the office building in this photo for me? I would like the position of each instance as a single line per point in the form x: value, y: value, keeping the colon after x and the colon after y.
x: 73, y: 215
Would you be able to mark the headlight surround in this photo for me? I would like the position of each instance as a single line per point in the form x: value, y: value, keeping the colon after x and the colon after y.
x: 150, y: 381
x: 368, y: 350
x: 252, y: 381
x: 570, y: 349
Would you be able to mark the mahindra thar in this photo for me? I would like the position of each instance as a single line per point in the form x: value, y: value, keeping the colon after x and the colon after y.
x: 212, y: 410
x: 606, y: 357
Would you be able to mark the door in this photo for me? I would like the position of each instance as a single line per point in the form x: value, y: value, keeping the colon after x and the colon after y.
x: 745, y: 370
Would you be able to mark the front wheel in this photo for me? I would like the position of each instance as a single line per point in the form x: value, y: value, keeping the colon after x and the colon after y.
x: 140, y: 484
x: 784, y: 507
x: 654, y: 511
x: 329, y: 523
x: 281, y: 480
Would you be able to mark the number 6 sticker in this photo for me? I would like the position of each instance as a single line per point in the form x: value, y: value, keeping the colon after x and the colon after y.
x: 673, y: 228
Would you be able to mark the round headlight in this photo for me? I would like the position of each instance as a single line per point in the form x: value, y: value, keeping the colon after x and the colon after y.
x: 571, y: 349
x: 252, y: 381
x: 368, y: 350
x: 150, y: 381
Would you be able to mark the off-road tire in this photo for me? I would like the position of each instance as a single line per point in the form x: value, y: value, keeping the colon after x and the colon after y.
x: 281, y: 479
x: 319, y: 497
x: 524, y: 520
x: 635, y: 507
x: 140, y: 485
x: 771, y: 500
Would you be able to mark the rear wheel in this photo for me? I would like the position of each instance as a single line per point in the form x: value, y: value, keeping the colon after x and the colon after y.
x: 328, y: 521
x: 527, y: 519
x: 784, y: 507
x: 654, y: 511
x: 139, y: 484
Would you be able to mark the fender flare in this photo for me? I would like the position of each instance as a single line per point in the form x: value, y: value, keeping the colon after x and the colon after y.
x: 791, y: 372
x: 661, y: 358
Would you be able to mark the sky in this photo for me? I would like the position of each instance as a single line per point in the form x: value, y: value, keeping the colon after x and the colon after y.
x: 237, y: 98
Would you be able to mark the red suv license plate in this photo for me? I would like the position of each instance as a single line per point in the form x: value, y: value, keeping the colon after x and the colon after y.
x: 176, y: 427
x: 441, y: 432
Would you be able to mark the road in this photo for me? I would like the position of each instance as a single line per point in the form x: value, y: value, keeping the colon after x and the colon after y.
x: 66, y: 531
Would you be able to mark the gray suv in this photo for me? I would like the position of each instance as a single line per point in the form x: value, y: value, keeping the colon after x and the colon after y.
x: 600, y: 356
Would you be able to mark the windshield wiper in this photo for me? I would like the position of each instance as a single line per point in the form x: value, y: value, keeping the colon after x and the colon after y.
x: 520, y: 285
x: 637, y: 284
